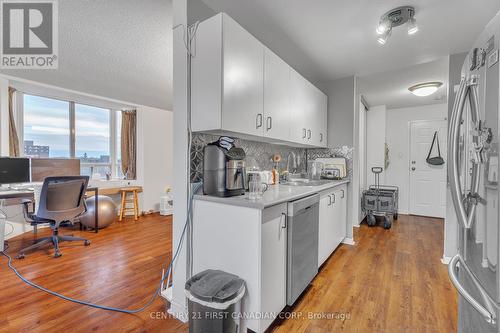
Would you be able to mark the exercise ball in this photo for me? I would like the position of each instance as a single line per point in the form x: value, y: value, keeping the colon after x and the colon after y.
x: 107, y: 212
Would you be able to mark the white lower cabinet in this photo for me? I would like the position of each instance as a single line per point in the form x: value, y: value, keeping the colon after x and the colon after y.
x: 332, y: 221
x: 273, y: 262
x: 250, y: 243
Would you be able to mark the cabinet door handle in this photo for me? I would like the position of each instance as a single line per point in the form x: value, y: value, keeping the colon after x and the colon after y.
x: 308, y: 134
x: 269, y: 123
x: 285, y: 225
x: 320, y: 137
x: 342, y: 197
x: 333, y: 195
x: 304, y: 133
x: 258, y: 121
x: 329, y: 200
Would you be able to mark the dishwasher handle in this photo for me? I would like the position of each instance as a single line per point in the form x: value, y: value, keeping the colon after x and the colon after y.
x: 300, y: 206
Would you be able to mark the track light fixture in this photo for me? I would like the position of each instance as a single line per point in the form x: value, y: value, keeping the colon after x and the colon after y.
x: 394, y: 18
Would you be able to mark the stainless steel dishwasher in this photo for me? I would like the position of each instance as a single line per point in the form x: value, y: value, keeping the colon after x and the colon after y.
x: 302, y: 256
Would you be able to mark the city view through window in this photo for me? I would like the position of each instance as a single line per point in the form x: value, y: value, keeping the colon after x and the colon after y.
x: 47, y: 128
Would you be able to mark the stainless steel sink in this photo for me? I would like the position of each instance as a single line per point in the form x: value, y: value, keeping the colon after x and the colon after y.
x: 305, y: 182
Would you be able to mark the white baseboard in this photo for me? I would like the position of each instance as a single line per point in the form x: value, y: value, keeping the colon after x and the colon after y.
x: 178, y: 311
x: 349, y: 241
x: 445, y: 260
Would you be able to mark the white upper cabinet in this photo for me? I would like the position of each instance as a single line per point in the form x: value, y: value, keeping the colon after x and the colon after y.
x: 227, y: 78
x: 243, y: 61
x: 276, y: 97
x: 240, y: 87
x: 309, y: 112
x: 300, y: 108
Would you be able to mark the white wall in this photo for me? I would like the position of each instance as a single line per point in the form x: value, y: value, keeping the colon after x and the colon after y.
x: 155, y: 144
x: 375, y: 141
x: 154, y: 150
x: 397, y: 137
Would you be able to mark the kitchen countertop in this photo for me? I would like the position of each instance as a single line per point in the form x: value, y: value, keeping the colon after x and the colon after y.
x: 275, y: 194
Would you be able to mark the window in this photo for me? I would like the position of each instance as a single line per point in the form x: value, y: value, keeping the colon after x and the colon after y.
x: 46, y: 127
x: 55, y: 128
x: 92, y: 140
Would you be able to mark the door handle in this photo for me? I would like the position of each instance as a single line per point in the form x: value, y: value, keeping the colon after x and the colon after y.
x: 308, y: 134
x: 329, y: 200
x: 320, y: 137
x: 487, y: 312
x: 258, y: 121
x: 343, y: 194
x: 303, y: 133
x: 333, y: 196
x: 269, y: 124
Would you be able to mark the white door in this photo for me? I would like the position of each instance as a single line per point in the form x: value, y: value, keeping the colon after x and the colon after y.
x: 427, y: 182
x: 276, y: 97
x: 242, y: 109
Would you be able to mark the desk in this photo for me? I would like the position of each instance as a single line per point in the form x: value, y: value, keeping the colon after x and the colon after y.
x: 14, y: 197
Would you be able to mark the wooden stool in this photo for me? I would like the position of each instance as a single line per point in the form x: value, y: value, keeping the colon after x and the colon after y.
x: 126, y: 200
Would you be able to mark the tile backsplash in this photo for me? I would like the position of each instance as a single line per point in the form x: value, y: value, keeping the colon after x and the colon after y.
x: 261, y: 154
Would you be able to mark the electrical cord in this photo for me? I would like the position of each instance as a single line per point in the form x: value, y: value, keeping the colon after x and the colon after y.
x: 103, y: 307
x: 188, y: 36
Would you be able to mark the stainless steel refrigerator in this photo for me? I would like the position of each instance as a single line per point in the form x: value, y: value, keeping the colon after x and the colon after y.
x: 473, y: 171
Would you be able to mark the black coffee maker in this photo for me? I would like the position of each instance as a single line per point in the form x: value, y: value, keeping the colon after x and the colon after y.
x: 223, y: 171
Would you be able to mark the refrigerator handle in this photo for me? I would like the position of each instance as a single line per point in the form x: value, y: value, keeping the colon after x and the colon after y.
x: 487, y: 313
x: 454, y: 155
x: 476, y: 170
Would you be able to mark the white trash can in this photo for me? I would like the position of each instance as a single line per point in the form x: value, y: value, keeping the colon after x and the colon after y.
x: 214, y: 302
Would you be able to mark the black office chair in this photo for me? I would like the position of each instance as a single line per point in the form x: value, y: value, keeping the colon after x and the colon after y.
x: 61, y: 201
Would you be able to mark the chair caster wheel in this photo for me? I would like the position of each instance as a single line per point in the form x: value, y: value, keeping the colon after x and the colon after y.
x: 57, y: 254
x: 21, y: 256
x: 86, y: 243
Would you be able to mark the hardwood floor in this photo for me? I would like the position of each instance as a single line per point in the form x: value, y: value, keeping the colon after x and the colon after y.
x: 391, y: 281
x: 121, y: 268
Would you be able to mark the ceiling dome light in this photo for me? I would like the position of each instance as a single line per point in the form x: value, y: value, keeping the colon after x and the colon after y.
x: 425, y: 89
x: 412, y: 26
x: 382, y: 39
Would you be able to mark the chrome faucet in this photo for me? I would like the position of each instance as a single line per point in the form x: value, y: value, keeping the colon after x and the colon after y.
x: 294, y: 162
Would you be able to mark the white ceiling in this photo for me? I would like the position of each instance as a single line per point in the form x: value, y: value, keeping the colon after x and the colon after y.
x: 391, y: 88
x: 120, y: 49
x: 330, y: 39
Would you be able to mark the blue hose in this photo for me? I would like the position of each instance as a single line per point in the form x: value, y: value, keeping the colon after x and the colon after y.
x: 103, y: 307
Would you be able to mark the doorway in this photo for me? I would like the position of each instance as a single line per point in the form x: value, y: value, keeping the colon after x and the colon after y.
x: 427, y: 191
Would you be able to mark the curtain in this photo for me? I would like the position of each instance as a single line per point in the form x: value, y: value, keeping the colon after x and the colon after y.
x: 13, y: 138
x: 128, y: 143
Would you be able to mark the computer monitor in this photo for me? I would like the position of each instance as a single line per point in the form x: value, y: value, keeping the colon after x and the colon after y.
x: 14, y: 170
